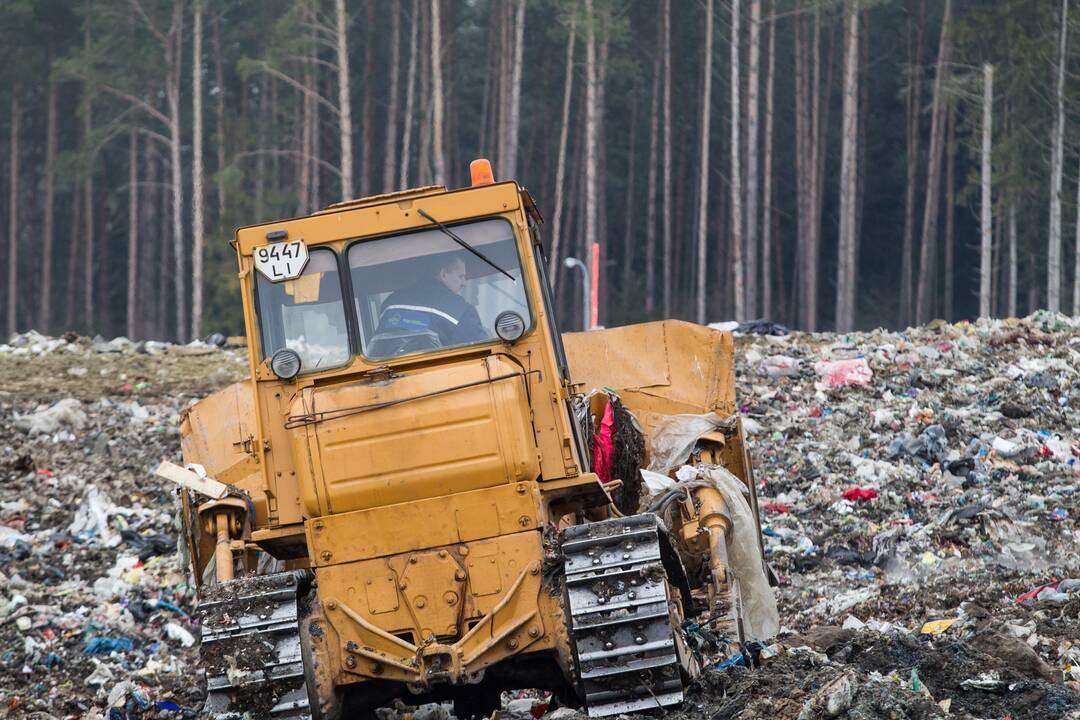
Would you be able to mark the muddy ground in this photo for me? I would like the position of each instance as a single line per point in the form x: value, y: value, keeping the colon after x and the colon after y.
x: 95, y: 612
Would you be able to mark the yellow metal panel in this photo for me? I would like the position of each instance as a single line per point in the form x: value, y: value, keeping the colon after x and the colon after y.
x: 213, y: 431
x: 476, y: 436
x: 382, y: 594
x: 422, y: 524
x: 475, y: 629
x: 394, y: 215
x: 665, y: 367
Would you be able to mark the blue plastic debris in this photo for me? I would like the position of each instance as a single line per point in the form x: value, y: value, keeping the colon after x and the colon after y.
x: 736, y: 660
x: 166, y: 605
x: 105, y: 645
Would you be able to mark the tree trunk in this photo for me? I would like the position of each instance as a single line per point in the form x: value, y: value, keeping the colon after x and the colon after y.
x: 219, y: 114
x: 665, y: 186
x: 766, y: 198
x: 564, y: 134
x: 1076, y: 257
x: 13, y: 214
x: 152, y: 259
x: 602, y: 288
x: 389, y: 160
x: 344, y: 101
x: 425, y: 100
x: 367, y: 112
x: 166, y: 280
x: 986, y: 208
x: 914, y: 115
x: 173, y: 65
x: 703, y: 169
x: 950, y: 215
x: 802, y: 124
x: 197, y: 175
x: 1013, y: 261
x: 628, y: 218
x: 504, y: 84
x: 439, y: 164
x: 650, y: 191
x: 514, y: 111
x: 410, y: 92
x: 73, y: 249
x: 315, y: 151
x: 49, y: 230
x: 819, y: 124
x: 88, y: 227
x: 753, y: 250
x: 133, y: 234
x: 849, y: 153
x: 807, y: 142
x: 928, y: 250
x: 260, y: 158
x: 1053, y: 251
x: 860, y: 157
x: 591, y: 121
x: 737, y: 255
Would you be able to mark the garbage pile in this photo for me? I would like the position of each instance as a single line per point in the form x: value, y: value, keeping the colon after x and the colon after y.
x: 94, y: 608
x: 919, y: 494
x: 919, y: 497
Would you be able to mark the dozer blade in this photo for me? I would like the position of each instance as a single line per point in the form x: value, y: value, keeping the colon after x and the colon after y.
x: 251, y: 650
x: 625, y: 626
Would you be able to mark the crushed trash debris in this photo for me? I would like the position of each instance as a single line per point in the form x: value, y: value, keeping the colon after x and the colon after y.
x: 94, y: 607
x: 954, y: 589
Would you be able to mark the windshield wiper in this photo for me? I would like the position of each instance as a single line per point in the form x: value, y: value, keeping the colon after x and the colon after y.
x: 450, y: 234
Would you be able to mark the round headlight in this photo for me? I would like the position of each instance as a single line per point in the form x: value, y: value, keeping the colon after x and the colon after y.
x: 285, y: 363
x: 509, y: 326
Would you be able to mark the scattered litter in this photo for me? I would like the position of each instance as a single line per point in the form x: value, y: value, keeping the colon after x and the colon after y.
x: 64, y: 414
x: 844, y: 372
x: 937, y: 627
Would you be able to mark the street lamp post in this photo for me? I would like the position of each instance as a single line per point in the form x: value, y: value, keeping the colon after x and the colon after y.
x: 586, y: 316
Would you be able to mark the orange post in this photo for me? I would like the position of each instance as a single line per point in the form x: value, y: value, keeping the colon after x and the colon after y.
x: 594, y: 301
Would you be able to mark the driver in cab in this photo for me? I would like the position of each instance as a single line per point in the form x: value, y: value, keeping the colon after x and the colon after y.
x: 435, y: 304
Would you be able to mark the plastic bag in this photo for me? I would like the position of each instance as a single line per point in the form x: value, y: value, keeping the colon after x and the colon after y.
x: 66, y: 413
x: 777, y: 366
x: 675, y: 436
x: 92, y: 518
x: 838, y: 373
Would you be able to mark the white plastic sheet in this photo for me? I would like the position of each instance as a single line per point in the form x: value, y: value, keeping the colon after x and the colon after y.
x: 66, y: 413
x: 756, y: 601
x: 92, y: 518
x: 758, y: 605
x: 674, y: 438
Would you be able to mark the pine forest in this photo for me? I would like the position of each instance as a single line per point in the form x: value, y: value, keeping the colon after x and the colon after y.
x: 825, y: 164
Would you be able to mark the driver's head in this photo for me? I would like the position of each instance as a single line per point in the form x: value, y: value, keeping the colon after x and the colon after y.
x: 452, y: 274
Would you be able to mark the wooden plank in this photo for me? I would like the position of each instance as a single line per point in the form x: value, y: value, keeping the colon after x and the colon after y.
x: 188, y: 479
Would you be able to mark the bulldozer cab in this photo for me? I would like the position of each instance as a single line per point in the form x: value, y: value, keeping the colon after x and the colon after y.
x: 432, y: 300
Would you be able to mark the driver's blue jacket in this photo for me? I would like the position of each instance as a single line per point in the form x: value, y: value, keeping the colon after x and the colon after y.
x: 432, y: 306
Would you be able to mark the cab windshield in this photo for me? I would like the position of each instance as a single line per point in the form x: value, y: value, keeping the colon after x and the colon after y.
x: 306, y: 314
x: 422, y: 291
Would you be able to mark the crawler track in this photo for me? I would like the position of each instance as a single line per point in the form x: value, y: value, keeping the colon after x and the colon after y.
x: 624, y: 622
x: 251, y: 650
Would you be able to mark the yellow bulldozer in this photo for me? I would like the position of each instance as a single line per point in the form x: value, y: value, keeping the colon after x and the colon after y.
x: 425, y: 491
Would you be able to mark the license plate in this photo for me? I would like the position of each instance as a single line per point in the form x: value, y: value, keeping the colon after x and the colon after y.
x: 281, y: 261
